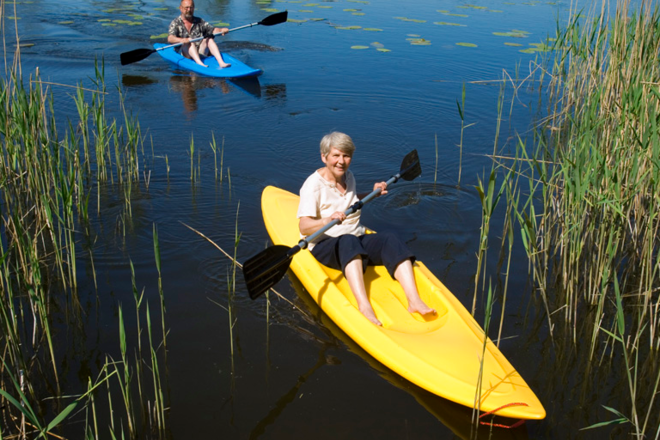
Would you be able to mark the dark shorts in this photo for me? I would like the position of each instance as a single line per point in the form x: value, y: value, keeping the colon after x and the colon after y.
x: 383, y: 248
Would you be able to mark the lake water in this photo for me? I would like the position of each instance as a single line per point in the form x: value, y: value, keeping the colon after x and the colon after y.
x: 293, y: 374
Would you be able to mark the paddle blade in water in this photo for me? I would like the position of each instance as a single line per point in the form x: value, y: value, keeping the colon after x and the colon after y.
x: 135, y: 55
x: 265, y: 269
x: 410, y: 167
x: 278, y: 18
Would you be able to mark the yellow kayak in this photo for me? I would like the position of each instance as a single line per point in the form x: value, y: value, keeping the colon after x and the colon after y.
x: 442, y: 354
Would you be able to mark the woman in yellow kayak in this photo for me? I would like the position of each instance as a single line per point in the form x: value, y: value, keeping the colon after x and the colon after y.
x: 324, y: 197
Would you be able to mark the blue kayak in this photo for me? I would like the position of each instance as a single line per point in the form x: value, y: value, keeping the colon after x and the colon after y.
x: 238, y: 69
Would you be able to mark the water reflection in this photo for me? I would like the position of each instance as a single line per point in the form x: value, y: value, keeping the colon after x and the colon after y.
x: 188, y: 85
x: 136, y: 80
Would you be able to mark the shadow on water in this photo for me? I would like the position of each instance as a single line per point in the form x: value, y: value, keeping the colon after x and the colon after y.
x: 455, y: 417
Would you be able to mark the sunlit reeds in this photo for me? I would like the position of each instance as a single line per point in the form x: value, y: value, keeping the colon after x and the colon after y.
x: 588, y: 214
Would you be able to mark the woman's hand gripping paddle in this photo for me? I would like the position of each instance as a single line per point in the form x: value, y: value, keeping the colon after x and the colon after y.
x: 264, y: 270
x: 139, y: 54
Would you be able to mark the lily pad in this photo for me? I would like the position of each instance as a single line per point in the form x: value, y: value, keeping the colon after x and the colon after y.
x: 444, y: 23
x: 510, y: 34
x: 350, y: 10
x: 311, y: 4
x: 306, y: 11
x: 512, y: 44
x: 377, y: 44
x: 457, y: 15
x: 325, y: 7
x: 382, y: 49
x: 270, y: 10
x: 221, y: 24
x: 372, y: 29
x: 293, y: 20
x: 530, y: 50
x: 103, y: 20
x: 160, y: 9
x: 155, y: 37
x: 358, y: 13
x: 359, y: 1
x: 66, y: 22
x: 359, y: 47
x: 348, y: 28
x: 466, y: 44
x: 108, y: 24
x: 419, y: 42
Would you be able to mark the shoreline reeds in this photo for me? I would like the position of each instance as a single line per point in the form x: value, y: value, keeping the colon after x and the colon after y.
x: 586, y: 197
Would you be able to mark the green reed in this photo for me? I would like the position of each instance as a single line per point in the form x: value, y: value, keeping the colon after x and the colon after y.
x: 46, y: 180
x: 588, y: 212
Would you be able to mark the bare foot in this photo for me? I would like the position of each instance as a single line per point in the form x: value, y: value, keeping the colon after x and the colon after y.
x: 368, y: 312
x: 421, y: 308
x: 224, y: 65
x: 202, y: 64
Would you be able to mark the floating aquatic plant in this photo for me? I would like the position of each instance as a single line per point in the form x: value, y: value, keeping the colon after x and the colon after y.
x: 382, y: 49
x: 305, y: 11
x: 348, y: 28
x: 358, y: 13
x: 66, y: 22
x: 466, y: 44
x: 157, y: 37
x: 293, y: 20
x: 359, y: 47
x: 512, y: 44
x: 512, y: 34
x: 372, y: 29
x: 444, y: 23
x: 419, y: 41
x: 456, y: 15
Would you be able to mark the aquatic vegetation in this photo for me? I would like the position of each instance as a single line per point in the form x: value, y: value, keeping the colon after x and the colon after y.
x: 466, y: 44
x: 372, y: 29
x: 585, y: 195
x: 512, y: 34
x: 444, y: 23
x: 359, y: 47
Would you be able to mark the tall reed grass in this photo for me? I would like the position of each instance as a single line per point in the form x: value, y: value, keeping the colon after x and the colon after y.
x: 46, y: 181
x: 586, y: 197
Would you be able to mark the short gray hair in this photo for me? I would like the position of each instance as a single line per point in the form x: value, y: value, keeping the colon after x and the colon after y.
x: 340, y: 141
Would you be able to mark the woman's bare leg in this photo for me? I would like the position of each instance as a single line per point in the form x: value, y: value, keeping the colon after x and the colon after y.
x: 355, y: 278
x: 405, y: 276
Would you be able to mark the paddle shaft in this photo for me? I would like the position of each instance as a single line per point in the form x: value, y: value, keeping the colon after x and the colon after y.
x: 201, y: 38
x: 302, y: 244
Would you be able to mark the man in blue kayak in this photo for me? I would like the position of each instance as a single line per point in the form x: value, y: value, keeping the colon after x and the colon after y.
x: 187, y: 27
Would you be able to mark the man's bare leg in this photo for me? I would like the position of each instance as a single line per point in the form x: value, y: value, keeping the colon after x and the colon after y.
x: 190, y: 51
x: 215, y: 51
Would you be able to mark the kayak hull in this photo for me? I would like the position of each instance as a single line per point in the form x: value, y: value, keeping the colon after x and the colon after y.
x: 441, y: 354
x: 238, y: 69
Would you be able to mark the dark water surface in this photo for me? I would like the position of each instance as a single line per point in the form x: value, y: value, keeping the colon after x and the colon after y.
x: 293, y: 374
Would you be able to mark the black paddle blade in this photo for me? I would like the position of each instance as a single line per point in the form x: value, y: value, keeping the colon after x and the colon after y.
x: 410, y: 167
x: 135, y: 55
x: 278, y: 18
x: 264, y: 270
